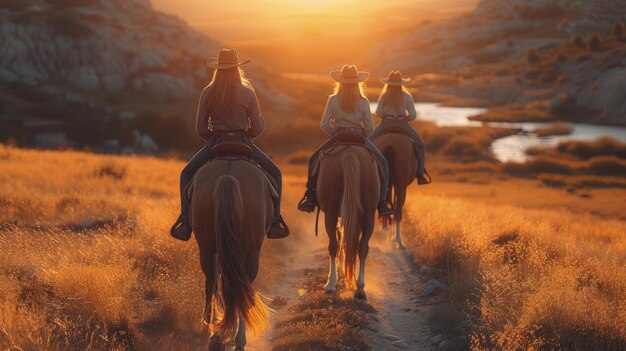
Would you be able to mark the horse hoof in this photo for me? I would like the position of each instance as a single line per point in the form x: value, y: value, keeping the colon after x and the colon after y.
x: 217, y: 347
x: 215, y: 344
x: 360, y: 295
x: 329, y: 290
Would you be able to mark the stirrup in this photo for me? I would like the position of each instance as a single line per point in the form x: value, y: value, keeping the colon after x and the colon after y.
x: 307, y: 204
x: 421, y: 178
x: 385, y: 211
x: 181, y: 230
x: 278, y: 232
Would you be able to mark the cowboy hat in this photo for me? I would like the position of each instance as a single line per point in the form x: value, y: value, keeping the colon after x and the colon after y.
x: 395, y: 79
x: 227, y: 58
x: 349, y: 75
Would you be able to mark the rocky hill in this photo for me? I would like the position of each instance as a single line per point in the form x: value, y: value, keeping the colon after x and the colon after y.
x: 113, y: 75
x: 109, y: 45
x: 487, y: 53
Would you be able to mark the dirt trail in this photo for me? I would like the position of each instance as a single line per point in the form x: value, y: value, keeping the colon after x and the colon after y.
x: 392, y: 285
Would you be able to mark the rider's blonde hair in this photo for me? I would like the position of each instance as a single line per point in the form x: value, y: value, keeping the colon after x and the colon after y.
x: 392, y: 96
x: 349, y: 95
x: 224, y: 83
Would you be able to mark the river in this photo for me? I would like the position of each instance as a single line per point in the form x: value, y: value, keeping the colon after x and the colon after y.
x: 511, y: 148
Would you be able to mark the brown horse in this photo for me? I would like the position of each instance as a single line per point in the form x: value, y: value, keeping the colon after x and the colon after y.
x: 399, y: 151
x: 348, y: 187
x: 230, y: 232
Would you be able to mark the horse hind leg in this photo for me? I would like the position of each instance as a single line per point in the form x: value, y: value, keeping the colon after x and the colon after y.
x: 368, y: 229
x: 240, y: 338
x: 215, y: 343
x: 333, y: 248
x: 209, y: 268
x: 400, y: 199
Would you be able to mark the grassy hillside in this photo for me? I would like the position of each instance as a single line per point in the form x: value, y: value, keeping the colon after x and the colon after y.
x: 87, y: 263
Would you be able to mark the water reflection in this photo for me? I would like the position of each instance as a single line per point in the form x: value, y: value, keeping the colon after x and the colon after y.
x: 512, y: 148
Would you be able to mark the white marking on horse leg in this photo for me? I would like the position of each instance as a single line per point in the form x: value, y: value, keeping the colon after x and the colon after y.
x: 332, y: 275
x: 359, y: 294
x: 360, y: 283
x: 398, y: 238
x: 240, y: 338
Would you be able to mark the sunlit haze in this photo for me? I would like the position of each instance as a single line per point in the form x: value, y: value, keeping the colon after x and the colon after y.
x: 292, y: 31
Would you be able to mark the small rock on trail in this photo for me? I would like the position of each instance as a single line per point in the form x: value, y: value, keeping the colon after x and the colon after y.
x: 430, y: 287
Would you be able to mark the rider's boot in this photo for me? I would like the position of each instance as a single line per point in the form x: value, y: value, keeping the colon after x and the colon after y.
x: 181, y: 230
x: 421, y: 178
x: 308, y: 202
x: 279, y: 229
x: 384, y: 208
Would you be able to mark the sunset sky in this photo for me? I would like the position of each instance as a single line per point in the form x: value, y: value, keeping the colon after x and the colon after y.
x: 299, y: 29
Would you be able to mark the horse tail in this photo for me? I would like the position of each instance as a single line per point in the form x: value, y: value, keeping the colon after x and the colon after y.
x: 235, y: 296
x: 351, y: 210
x: 387, y: 220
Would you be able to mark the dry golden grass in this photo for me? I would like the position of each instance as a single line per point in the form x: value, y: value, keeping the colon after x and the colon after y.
x: 322, y: 321
x: 526, y: 279
x: 87, y: 263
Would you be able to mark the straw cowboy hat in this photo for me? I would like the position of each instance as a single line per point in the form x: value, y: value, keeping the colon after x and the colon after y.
x: 227, y: 58
x: 395, y: 78
x: 349, y: 75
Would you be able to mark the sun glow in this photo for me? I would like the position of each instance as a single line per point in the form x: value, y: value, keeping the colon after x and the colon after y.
x: 313, y: 5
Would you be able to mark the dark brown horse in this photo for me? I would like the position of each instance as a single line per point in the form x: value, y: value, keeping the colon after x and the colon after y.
x: 230, y: 232
x: 348, y: 187
x: 399, y: 151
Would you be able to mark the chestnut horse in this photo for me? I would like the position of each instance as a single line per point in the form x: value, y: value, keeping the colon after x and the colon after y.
x: 230, y: 232
x: 348, y: 186
x: 399, y: 150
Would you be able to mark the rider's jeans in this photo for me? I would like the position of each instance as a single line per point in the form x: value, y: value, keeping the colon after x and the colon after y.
x: 204, y: 155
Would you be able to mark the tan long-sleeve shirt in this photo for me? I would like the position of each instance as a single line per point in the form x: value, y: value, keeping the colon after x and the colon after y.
x: 407, y: 110
x: 245, y: 115
x: 334, y: 118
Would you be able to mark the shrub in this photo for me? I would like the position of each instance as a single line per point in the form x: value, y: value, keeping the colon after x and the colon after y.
x: 578, y: 41
x: 607, y: 165
x: 587, y: 149
x: 532, y: 56
x: 553, y: 129
x: 618, y: 30
x: 111, y: 169
x: 594, y: 42
x: 465, y: 147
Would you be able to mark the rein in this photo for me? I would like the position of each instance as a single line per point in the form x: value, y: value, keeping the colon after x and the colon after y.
x: 317, y: 220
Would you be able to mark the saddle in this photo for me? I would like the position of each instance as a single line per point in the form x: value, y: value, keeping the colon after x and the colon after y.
x: 393, y: 130
x: 231, y: 149
x: 349, y: 138
x: 234, y: 145
x: 345, y: 138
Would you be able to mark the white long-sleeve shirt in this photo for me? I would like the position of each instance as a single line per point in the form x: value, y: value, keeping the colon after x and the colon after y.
x: 334, y: 118
x: 408, y: 110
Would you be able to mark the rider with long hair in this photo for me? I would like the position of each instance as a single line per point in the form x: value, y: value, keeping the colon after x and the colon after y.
x: 347, y: 111
x: 228, y: 105
x: 396, y: 107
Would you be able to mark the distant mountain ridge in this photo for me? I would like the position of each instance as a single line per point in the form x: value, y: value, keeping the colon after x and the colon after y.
x: 110, y: 45
x: 487, y: 53
x: 470, y: 38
